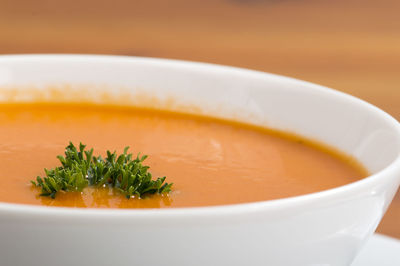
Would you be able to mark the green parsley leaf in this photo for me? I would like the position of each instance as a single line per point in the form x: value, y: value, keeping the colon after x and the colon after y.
x: 79, y: 169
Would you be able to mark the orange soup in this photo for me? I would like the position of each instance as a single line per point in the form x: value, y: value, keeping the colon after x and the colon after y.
x: 210, y: 161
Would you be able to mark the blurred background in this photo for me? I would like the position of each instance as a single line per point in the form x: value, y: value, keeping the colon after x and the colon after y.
x: 349, y: 45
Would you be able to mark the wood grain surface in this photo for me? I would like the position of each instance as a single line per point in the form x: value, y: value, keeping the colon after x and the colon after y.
x: 349, y: 45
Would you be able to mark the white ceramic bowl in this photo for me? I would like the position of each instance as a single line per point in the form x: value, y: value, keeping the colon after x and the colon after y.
x: 324, y: 228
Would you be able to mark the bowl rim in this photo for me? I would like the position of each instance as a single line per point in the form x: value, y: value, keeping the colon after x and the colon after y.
x: 341, y: 192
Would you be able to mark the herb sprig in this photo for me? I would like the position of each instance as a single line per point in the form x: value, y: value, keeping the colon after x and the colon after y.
x: 79, y: 169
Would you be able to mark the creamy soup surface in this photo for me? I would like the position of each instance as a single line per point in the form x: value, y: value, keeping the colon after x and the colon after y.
x: 210, y: 162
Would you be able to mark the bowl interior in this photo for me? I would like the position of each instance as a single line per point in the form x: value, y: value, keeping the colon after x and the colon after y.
x: 316, y: 112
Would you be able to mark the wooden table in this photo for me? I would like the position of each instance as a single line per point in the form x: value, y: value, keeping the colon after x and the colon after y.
x: 350, y: 45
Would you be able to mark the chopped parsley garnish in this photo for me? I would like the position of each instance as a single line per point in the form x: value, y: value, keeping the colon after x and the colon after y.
x: 79, y: 169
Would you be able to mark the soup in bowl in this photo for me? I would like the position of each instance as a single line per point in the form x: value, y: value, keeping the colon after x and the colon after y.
x: 267, y: 170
